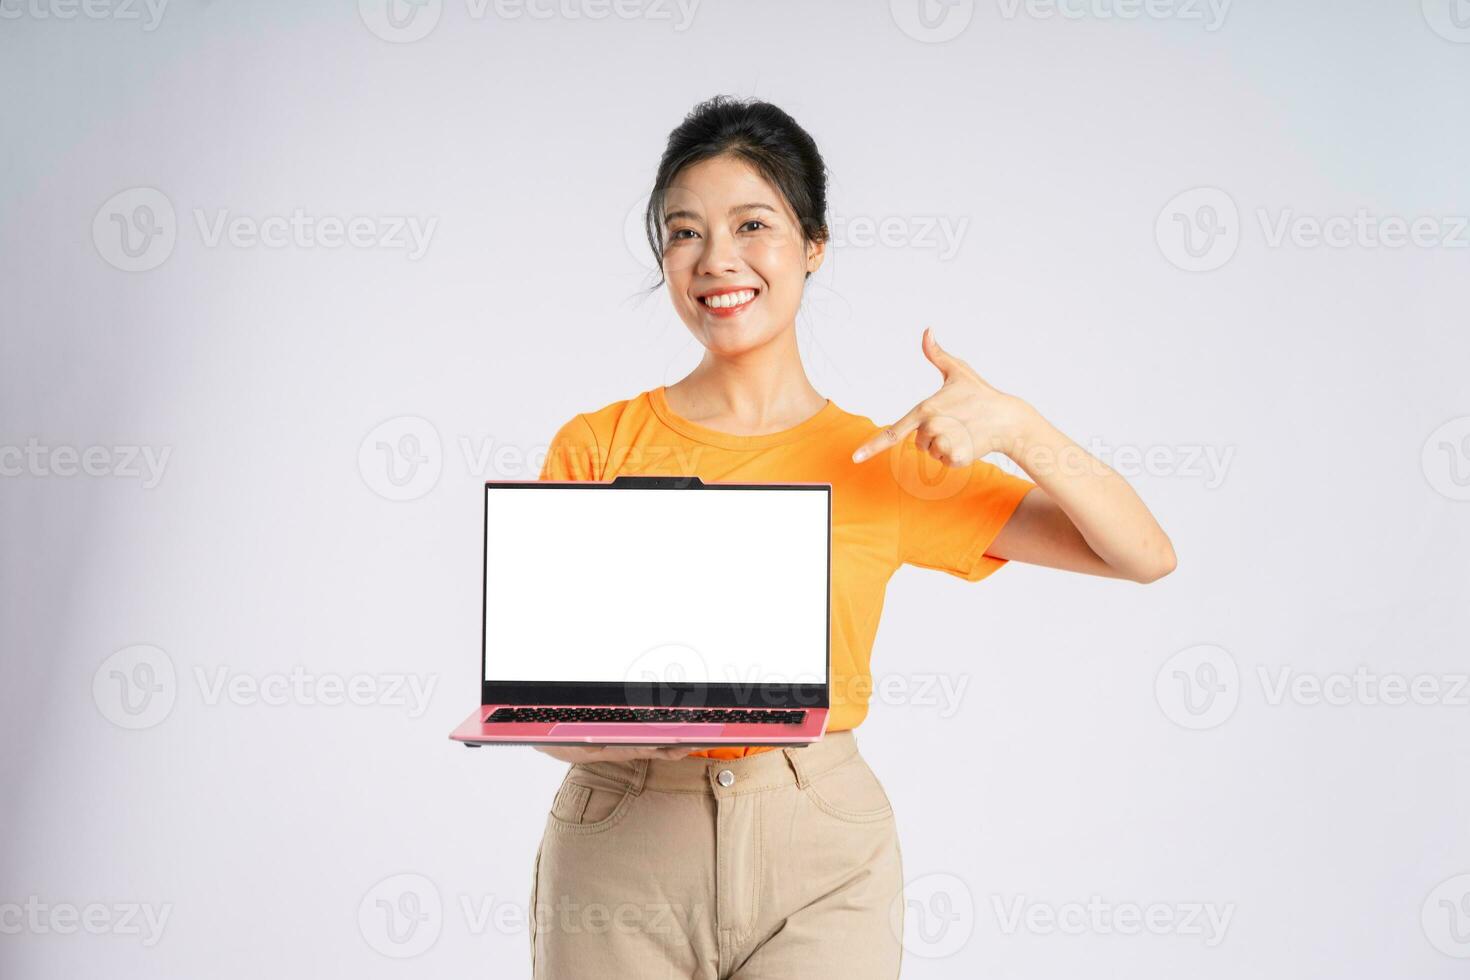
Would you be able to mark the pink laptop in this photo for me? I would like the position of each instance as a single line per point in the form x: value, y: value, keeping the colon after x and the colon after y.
x: 654, y: 610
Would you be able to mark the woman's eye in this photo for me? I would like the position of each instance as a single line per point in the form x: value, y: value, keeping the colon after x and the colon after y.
x: 674, y: 235
x: 754, y: 221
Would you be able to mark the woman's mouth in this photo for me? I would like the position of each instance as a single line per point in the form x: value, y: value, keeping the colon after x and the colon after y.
x: 729, y: 304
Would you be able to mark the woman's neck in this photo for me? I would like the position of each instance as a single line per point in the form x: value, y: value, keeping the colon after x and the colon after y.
x: 743, y: 399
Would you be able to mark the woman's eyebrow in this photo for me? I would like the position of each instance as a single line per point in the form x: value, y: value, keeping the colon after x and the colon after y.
x: 735, y: 209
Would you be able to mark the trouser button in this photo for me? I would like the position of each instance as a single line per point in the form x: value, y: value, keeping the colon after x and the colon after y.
x: 726, y: 777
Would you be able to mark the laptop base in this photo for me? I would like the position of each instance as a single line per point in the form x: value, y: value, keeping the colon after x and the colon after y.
x: 474, y: 731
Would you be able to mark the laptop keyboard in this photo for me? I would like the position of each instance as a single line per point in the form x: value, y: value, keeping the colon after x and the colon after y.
x: 738, y: 716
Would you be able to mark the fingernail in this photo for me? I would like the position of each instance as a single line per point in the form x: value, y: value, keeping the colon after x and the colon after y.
x: 859, y: 456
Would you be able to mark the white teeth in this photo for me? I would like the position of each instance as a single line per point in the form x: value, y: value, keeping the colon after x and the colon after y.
x: 730, y: 299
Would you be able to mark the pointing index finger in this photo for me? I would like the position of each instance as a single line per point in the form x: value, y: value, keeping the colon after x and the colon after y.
x: 889, y: 436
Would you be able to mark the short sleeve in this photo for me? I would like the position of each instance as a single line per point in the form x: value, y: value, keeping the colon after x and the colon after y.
x: 948, y: 516
x: 572, y: 454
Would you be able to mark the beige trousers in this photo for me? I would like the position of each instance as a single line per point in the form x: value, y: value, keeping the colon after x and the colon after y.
x: 782, y: 864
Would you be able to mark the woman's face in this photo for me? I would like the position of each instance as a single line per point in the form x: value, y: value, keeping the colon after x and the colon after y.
x: 729, y: 232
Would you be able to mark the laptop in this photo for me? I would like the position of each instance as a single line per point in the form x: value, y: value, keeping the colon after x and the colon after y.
x: 654, y: 610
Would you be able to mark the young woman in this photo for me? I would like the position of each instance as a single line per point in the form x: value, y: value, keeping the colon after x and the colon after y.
x: 757, y: 863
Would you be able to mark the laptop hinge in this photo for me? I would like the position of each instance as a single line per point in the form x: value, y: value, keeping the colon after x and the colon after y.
x: 658, y: 482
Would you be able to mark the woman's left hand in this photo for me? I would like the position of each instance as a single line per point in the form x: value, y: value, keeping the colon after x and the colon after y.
x: 961, y: 422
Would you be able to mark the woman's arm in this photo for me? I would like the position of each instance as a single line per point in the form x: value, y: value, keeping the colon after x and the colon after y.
x: 1082, y: 516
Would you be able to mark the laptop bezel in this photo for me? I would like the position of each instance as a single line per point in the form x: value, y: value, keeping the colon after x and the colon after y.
x: 718, y: 695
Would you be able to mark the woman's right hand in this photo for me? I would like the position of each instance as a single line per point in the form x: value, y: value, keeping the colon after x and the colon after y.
x: 568, y: 752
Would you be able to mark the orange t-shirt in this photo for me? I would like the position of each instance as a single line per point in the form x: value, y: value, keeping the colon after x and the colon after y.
x: 899, y: 507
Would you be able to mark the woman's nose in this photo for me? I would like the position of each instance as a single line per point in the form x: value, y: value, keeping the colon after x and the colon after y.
x: 720, y: 255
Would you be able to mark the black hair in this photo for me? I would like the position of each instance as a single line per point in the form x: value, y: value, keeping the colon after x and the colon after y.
x: 762, y: 135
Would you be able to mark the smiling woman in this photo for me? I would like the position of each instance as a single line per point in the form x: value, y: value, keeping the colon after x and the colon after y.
x: 791, y: 854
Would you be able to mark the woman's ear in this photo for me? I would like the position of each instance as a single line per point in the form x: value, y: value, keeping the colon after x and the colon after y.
x: 815, y: 253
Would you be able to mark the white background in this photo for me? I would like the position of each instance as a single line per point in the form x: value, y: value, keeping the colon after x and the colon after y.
x: 1330, y: 536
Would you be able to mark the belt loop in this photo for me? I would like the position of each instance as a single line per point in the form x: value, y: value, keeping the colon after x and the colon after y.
x: 795, y: 762
x: 640, y: 774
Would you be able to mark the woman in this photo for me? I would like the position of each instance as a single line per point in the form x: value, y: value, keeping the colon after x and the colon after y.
x: 762, y: 862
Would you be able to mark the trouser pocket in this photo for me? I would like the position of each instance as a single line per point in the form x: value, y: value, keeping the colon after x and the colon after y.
x: 589, y: 802
x: 851, y: 792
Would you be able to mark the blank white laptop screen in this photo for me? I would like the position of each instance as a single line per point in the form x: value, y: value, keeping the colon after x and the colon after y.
x: 634, y: 584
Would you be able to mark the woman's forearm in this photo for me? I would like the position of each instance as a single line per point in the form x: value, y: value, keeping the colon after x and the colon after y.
x: 1105, y: 509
